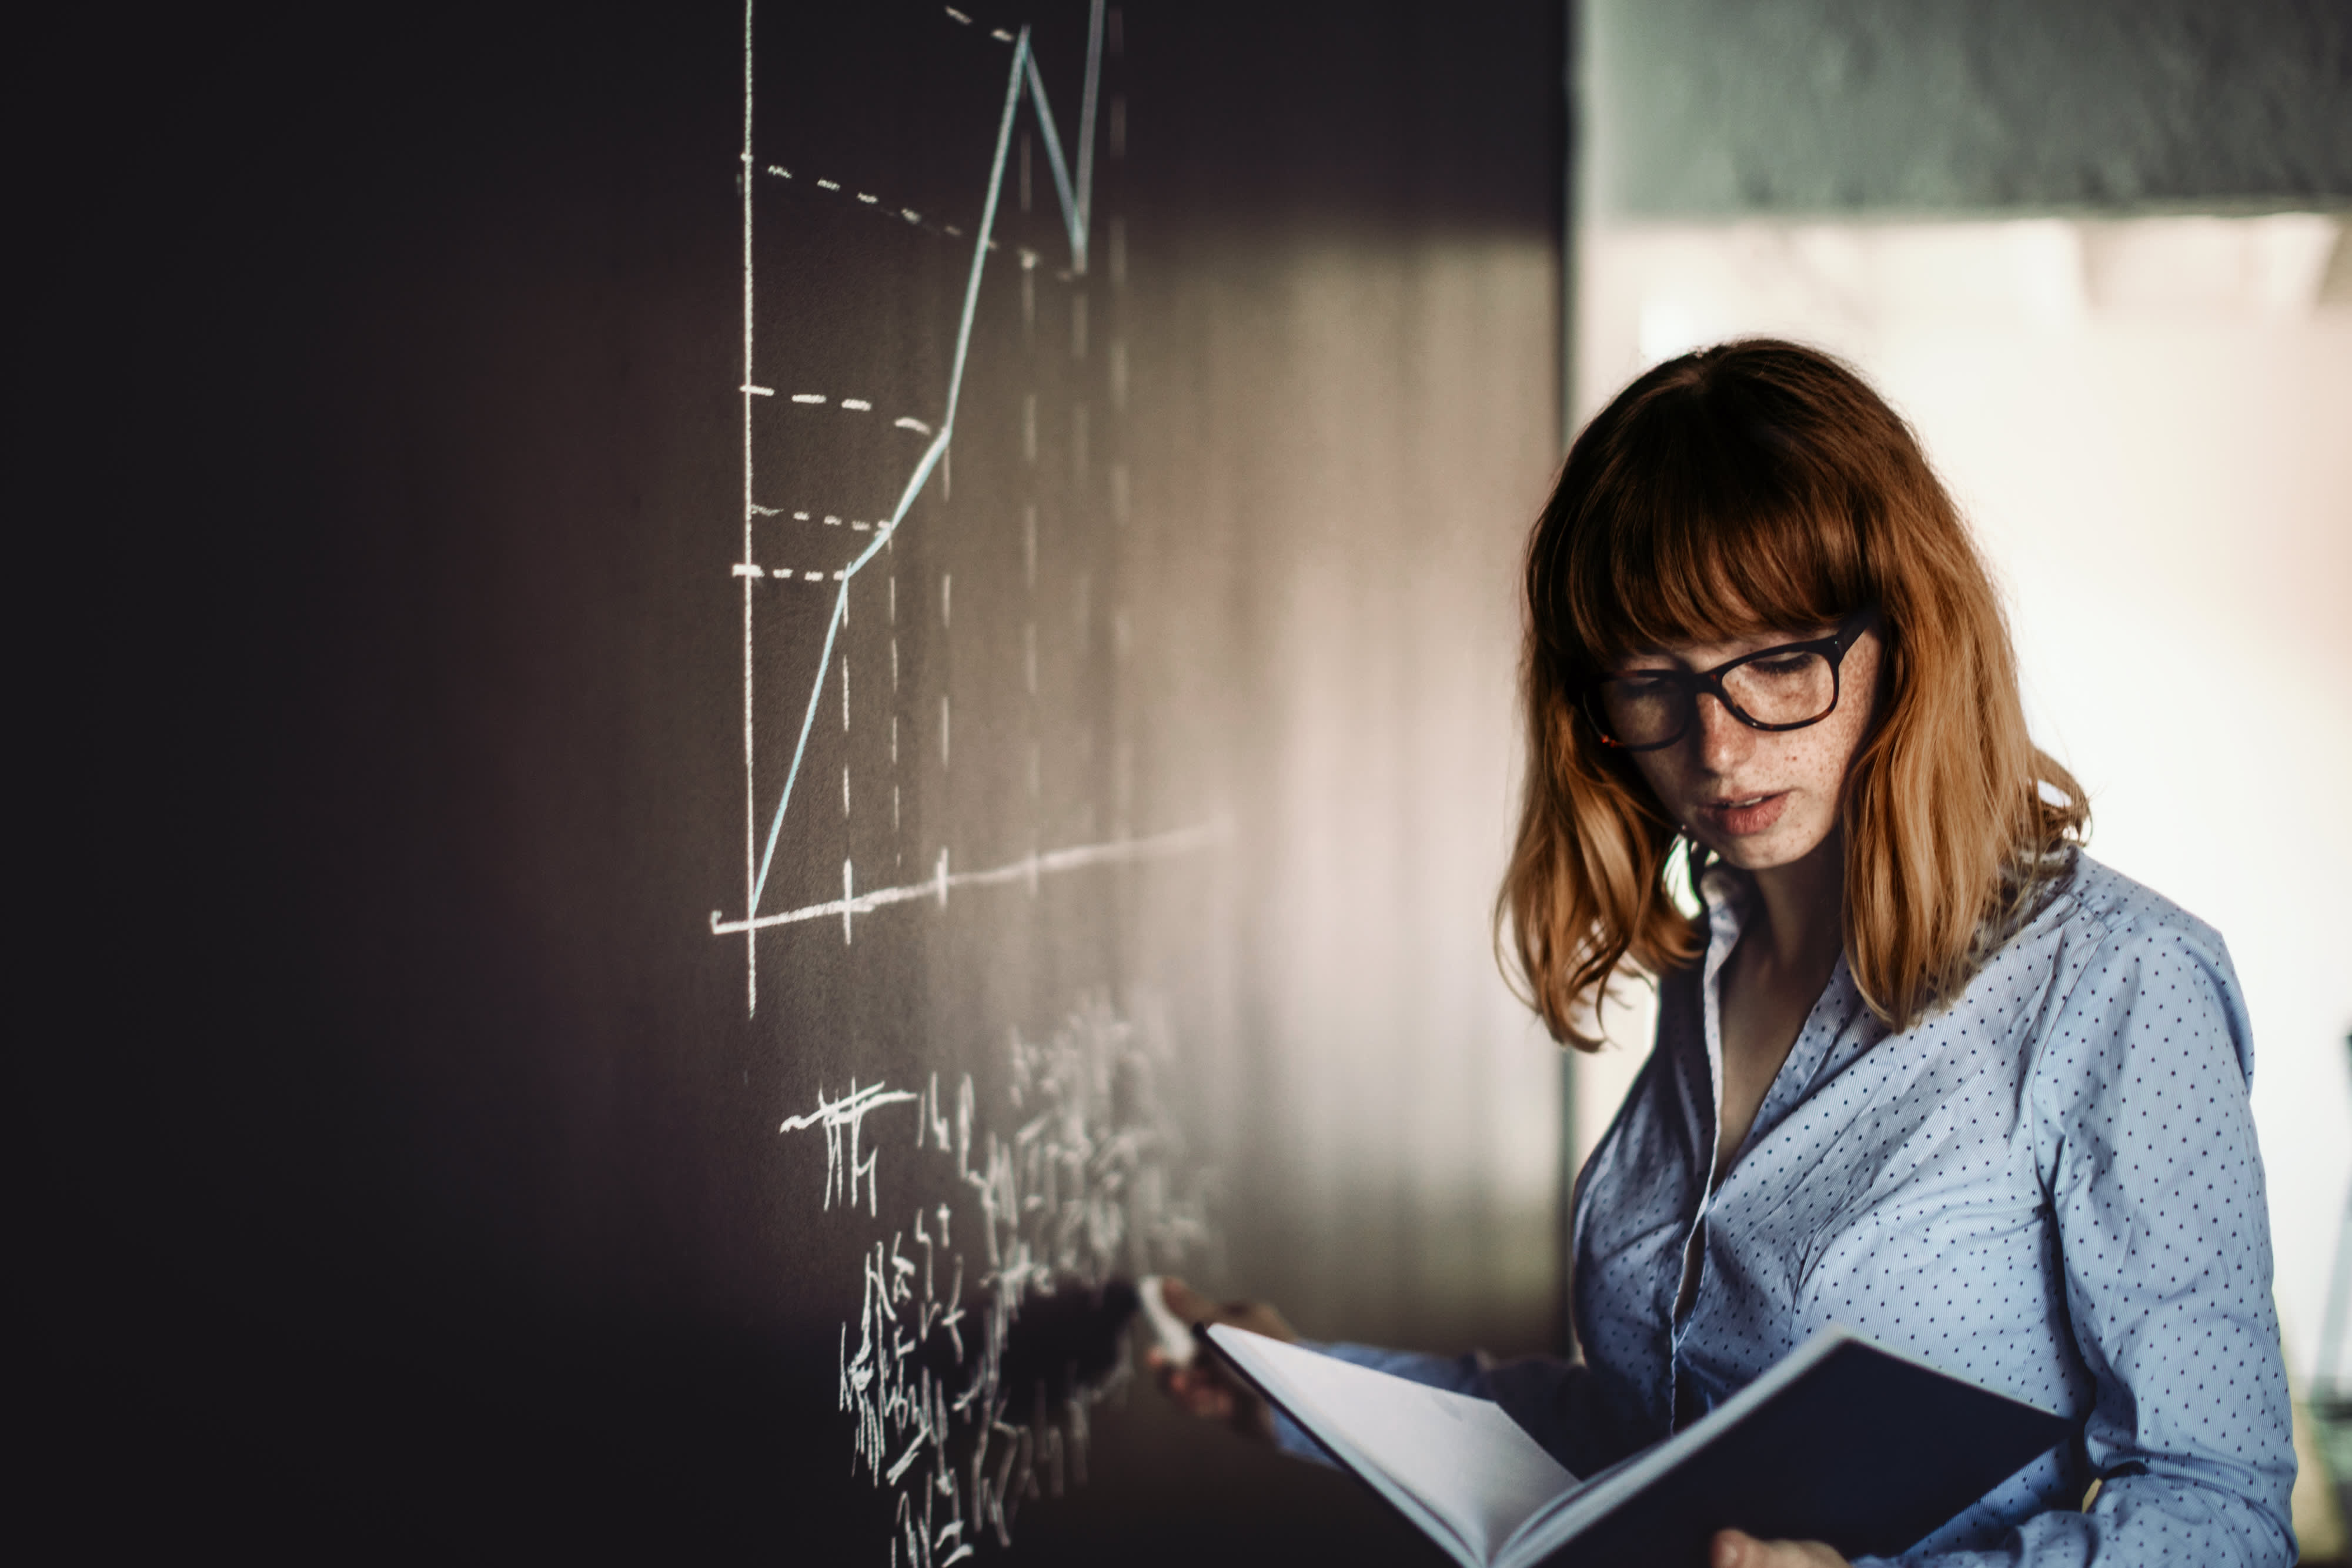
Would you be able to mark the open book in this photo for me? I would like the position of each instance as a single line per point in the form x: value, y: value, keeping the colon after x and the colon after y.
x: 1842, y: 1442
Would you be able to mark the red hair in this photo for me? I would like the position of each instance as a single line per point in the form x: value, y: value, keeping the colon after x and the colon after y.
x: 1756, y: 486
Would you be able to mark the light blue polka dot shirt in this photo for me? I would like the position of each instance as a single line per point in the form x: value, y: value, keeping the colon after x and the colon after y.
x: 2050, y: 1187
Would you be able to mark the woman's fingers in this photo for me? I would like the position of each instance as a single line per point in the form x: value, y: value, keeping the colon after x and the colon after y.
x: 1201, y: 1386
x: 1737, y: 1549
x: 1200, y: 1394
x: 1187, y: 1303
x: 1195, y: 1308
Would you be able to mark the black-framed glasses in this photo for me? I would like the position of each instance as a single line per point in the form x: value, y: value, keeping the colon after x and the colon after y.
x: 1783, y: 687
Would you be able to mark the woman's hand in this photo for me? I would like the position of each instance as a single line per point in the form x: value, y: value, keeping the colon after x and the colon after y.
x: 1737, y: 1549
x: 1203, y: 1386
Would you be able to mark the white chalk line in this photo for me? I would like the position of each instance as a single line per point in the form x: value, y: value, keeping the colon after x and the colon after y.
x: 788, y: 574
x: 846, y: 404
x: 1028, y: 870
x: 881, y: 206
x: 750, y: 390
x: 831, y: 520
x: 999, y: 34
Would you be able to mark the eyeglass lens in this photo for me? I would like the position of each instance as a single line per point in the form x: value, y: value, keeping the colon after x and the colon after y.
x: 1791, y: 689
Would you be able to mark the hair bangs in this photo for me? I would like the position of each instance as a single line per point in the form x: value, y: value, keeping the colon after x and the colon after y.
x: 1719, y: 518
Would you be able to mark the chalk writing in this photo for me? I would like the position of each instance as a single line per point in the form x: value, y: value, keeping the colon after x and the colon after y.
x: 952, y: 1411
x: 846, y: 1114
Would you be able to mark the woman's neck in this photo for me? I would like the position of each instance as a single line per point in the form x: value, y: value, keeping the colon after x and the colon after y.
x: 1789, y: 943
x: 1798, y: 923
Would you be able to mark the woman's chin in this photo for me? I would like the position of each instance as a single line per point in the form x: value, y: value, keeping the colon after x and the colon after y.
x: 1784, y: 843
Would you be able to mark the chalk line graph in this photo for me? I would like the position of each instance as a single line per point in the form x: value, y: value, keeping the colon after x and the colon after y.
x: 1073, y: 185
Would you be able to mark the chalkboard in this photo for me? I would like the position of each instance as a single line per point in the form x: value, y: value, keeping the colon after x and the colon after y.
x: 825, y: 678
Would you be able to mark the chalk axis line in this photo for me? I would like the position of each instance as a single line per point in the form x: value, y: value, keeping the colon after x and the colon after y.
x: 1076, y: 198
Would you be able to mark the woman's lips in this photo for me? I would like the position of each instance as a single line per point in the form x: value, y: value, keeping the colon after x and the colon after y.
x: 1738, y: 816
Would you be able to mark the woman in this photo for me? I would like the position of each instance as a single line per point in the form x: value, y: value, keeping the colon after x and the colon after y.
x: 1922, y: 1068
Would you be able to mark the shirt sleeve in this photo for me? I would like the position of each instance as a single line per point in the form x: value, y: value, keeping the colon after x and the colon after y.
x: 2146, y: 1141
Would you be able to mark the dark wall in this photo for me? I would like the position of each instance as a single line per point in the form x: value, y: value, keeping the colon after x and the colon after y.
x: 408, y: 1158
x: 1713, y: 108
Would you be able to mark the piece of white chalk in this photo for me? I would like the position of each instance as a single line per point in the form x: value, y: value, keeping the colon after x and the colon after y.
x: 1172, y: 1334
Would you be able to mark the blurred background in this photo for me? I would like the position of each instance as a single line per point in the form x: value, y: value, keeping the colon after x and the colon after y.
x: 409, y: 1162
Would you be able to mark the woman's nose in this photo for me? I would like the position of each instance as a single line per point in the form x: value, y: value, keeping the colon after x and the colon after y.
x: 1722, y: 740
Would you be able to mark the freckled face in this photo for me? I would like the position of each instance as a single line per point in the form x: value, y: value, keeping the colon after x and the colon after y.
x: 1760, y: 798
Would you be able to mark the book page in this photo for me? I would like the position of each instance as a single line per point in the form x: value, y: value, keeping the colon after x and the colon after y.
x: 1461, y: 1458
